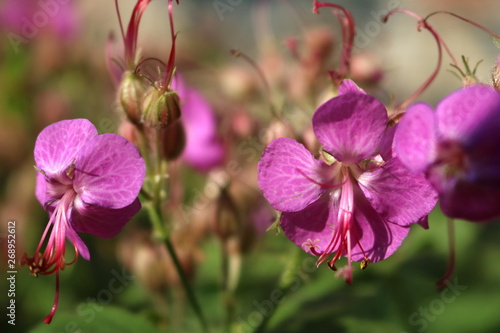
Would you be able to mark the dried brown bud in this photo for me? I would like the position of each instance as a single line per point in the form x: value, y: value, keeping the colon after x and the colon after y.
x: 130, y: 94
x: 227, y: 222
x: 160, y: 109
x: 173, y: 140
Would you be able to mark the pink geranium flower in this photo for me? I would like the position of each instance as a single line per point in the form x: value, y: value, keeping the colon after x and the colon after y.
x: 352, y: 202
x: 87, y: 183
x: 204, y: 150
x: 457, y: 147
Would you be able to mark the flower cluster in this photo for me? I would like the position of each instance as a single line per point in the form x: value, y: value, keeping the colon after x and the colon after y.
x: 344, y: 175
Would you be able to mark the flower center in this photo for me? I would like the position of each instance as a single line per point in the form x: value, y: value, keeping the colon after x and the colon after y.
x: 344, y: 231
x: 451, y: 158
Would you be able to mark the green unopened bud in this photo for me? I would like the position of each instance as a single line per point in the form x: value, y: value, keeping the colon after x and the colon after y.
x: 173, y: 140
x: 160, y: 109
x: 130, y: 94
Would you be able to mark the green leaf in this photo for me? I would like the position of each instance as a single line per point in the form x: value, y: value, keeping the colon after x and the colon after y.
x: 96, y: 318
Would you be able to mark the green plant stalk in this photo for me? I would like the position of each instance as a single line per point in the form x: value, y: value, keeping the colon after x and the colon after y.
x: 154, y: 209
x: 285, y: 283
x: 163, y: 236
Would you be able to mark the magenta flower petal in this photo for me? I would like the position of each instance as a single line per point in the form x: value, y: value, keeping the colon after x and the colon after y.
x: 311, y: 228
x: 41, y: 188
x: 110, y: 171
x: 57, y: 145
x: 348, y: 86
x: 460, y: 113
x: 373, y: 237
x: 350, y: 126
x: 385, y: 148
x: 289, y: 175
x: 204, y: 150
x: 483, y: 150
x: 466, y: 200
x: 397, y: 195
x: 415, y: 140
x: 73, y: 237
x: 101, y: 221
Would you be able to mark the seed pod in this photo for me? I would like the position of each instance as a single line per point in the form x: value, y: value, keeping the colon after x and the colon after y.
x: 130, y: 95
x: 227, y: 222
x: 160, y: 109
x: 173, y: 140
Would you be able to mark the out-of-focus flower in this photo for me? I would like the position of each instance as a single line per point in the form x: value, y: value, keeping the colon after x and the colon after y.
x: 87, y: 183
x: 352, y: 201
x: 27, y: 17
x: 204, y: 150
x: 458, y: 149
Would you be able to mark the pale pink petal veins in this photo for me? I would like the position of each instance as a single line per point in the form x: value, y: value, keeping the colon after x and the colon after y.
x: 415, y: 138
x: 372, y: 235
x: 100, y: 221
x: 58, y: 144
x: 312, y: 227
x: 109, y: 172
x: 41, y: 188
x: 398, y: 195
x: 289, y: 175
x: 350, y: 126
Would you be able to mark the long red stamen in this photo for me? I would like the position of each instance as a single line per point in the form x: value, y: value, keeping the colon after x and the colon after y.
x: 48, y: 319
x: 52, y: 260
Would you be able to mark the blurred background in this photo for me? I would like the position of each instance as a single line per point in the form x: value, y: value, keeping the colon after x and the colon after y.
x: 53, y: 66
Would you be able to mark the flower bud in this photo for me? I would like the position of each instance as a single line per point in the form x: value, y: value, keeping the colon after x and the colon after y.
x: 173, y: 140
x: 130, y: 94
x: 495, y: 75
x: 227, y: 222
x: 129, y: 131
x: 160, y: 109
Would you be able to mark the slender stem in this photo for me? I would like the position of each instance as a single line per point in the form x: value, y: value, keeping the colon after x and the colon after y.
x: 421, y: 24
x: 161, y: 233
x: 443, y: 282
x: 187, y: 286
x: 227, y: 293
x: 495, y: 35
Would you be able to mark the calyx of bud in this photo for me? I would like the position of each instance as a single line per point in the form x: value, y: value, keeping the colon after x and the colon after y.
x: 130, y: 95
x: 160, y: 109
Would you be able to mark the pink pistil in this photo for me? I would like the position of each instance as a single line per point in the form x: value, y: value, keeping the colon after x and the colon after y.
x: 341, y: 239
x: 52, y: 260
